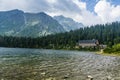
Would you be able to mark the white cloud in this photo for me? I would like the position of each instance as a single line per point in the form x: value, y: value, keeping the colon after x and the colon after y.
x: 25, y: 5
x: 81, y: 5
x: 51, y: 1
x: 107, y: 12
x: 85, y: 16
x: 13, y: 4
x: 90, y: 18
x: 80, y: 15
x: 75, y: 9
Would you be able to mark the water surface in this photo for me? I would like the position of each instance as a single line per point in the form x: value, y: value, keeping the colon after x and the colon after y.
x: 42, y: 64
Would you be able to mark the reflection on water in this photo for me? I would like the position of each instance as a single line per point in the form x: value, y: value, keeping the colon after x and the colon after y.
x: 40, y: 64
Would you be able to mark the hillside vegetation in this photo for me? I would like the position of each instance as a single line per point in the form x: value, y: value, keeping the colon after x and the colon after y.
x: 108, y: 34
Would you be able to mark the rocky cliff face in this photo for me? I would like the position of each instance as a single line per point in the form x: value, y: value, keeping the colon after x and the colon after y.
x: 18, y: 23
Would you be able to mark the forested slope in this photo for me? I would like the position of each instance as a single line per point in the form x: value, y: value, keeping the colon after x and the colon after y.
x: 106, y: 34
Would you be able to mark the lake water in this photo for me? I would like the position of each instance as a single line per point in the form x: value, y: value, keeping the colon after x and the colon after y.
x: 42, y: 64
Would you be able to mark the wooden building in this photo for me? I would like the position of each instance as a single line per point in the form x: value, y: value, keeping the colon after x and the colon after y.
x: 88, y: 43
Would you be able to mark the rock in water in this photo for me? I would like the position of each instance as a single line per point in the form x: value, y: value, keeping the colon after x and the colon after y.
x: 89, y: 77
x: 109, y: 78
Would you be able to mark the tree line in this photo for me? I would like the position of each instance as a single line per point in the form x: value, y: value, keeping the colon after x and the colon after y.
x: 108, y: 34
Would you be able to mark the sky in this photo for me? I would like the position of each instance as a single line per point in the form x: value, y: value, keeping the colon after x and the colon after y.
x: 88, y: 12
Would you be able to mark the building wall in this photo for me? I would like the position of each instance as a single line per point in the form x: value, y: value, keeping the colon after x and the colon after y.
x: 87, y: 45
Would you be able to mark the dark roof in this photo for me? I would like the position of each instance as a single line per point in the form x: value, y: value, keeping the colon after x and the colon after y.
x: 88, y: 41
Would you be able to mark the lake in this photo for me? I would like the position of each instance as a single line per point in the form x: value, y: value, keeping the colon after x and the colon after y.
x: 44, y: 64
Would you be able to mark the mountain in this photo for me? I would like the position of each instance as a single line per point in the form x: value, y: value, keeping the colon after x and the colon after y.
x: 18, y: 23
x: 108, y: 34
x: 68, y: 23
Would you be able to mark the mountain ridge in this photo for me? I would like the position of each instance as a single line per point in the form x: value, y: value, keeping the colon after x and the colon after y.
x: 18, y: 23
x: 68, y: 23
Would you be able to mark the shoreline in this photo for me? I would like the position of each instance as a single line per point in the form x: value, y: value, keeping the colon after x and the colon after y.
x: 97, y: 52
x: 108, y: 54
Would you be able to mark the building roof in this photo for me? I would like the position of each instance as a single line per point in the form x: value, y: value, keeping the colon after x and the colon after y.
x: 88, y: 41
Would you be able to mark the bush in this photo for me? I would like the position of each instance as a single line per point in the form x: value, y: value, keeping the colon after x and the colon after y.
x: 114, y: 49
x: 108, y: 50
